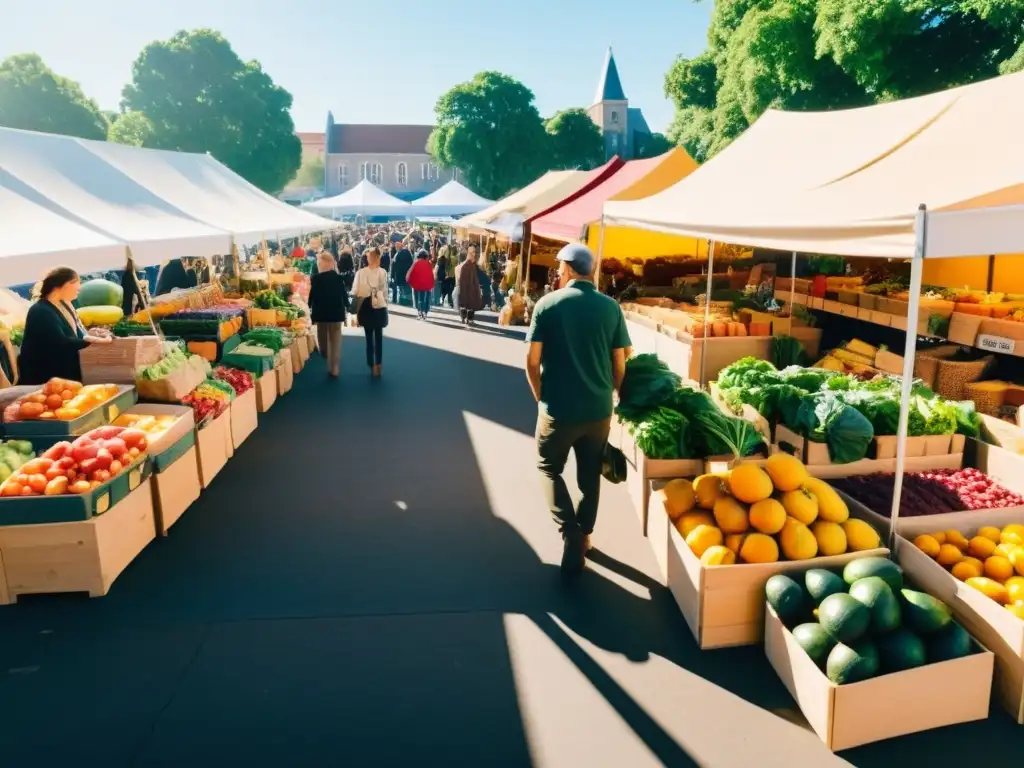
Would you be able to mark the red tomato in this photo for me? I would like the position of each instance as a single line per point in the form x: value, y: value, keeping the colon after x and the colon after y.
x: 53, y: 402
x: 134, y: 438
x: 68, y: 462
x: 85, y: 452
x: 103, y: 458
x: 11, y: 488
x: 100, y: 475
x: 57, y: 487
x: 80, y: 486
x: 57, y: 451
x: 26, y: 490
x: 38, y: 483
x: 88, y: 466
x: 55, y: 471
x: 116, y: 446
x: 115, y: 467
x: 66, y: 394
x: 36, y: 466
x: 107, y: 432
x: 21, y: 478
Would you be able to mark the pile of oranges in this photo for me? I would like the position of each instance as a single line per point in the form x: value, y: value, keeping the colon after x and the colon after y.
x: 992, y: 561
x: 60, y: 399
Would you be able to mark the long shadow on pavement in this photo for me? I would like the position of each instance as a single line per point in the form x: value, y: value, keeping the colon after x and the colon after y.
x: 338, y: 597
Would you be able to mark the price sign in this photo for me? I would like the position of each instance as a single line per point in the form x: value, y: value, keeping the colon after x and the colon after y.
x: 995, y: 344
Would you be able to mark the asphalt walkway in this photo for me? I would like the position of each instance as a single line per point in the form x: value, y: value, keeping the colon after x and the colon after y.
x: 373, y: 581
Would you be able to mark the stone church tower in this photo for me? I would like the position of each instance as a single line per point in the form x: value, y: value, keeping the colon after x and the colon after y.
x: 623, y: 128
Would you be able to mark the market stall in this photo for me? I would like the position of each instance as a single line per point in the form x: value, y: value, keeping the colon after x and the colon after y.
x: 452, y: 199
x: 364, y: 199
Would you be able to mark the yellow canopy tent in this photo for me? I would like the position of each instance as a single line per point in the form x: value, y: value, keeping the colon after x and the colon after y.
x: 622, y: 242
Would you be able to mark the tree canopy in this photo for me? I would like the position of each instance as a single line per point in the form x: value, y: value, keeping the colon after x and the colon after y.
x: 311, y: 173
x: 200, y: 96
x: 490, y: 129
x: 131, y: 128
x: 575, y: 142
x: 33, y: 97
x: 827, y: 54
x: 654, y: 145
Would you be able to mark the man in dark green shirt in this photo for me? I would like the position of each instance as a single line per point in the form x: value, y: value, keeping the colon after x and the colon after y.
x: 577, y: 358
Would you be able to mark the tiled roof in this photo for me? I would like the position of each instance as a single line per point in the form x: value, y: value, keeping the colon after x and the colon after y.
x: 380, y: 139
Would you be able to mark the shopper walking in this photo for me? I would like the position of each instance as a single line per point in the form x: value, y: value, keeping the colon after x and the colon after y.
x: 328, y: 301
x: 576, y: 360
x: 371, y: 290
x: 421, y: 279
x: 467, y: 288
x: 402, y: 263
x: 440, y: 272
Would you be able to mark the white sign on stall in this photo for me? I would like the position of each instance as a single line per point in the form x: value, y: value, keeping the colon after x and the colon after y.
x: 995, y: 343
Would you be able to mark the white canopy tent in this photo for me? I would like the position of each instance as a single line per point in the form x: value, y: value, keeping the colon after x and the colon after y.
x: 453, y: 199
x: 938, y: 176
x: 35, y: 238
x: 210, y: 192
x: 364, y: 199
x: 85, y: 188
x: 850, y: 182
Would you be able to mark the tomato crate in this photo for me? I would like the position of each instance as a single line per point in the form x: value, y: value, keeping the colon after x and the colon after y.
x: 32, y: 510
x: 60, y: 430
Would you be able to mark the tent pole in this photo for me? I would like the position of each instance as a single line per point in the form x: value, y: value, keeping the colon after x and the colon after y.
x: 129, y: 262
x: 792, y: 286
x: 909, y: 350
x: 707, y: 312
x: 600, y: 254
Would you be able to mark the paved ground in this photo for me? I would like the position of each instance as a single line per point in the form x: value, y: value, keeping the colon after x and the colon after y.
x: 372, y: 581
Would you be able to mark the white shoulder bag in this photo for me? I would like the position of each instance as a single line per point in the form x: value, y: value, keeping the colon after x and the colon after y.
x: 379, y: 296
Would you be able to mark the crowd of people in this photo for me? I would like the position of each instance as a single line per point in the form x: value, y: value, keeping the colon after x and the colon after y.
x: 361, y: 271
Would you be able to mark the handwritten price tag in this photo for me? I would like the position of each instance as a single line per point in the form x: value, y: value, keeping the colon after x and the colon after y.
x: 996, y: 344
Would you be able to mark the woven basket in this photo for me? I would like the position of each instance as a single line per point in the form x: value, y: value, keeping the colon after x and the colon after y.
x: 953, y: 378
x: 985, y: 400
x: 926, y: 362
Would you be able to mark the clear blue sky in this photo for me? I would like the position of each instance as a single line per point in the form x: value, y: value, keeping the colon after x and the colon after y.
x: 377, y: 61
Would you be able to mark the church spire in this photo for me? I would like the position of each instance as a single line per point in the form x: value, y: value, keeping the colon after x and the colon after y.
x: 609, y: 87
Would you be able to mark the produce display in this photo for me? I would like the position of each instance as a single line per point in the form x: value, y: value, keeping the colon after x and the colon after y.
x: 841, y: 410
x: 79, y: 466
x: 755, y: 515
x: 240, y: 381
x: 671, y: 421
x: 267, y: 336
x: 268, y: 299
x: 991, y: 562
x: 14, y: 453
x: 92, y: 317
x: 864, y: 622
x: 934, y: 492
x: 100, y: 293
x: 61, y: 400
x: 246, y: 348
x: 220, y: 321
x: 209, y: 399
x: 154, y: 425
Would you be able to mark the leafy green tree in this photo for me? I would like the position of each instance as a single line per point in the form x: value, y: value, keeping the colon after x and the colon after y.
x: 33, y: 97
x: 829, y: 54
x: 489, y: 128
x: 131, y: 128
x: 653, y: 145
x: 200, y: 96
x: 575, y: 141
x: 311, y: 173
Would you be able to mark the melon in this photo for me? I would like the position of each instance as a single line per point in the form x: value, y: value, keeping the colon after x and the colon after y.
x: 100, y: 293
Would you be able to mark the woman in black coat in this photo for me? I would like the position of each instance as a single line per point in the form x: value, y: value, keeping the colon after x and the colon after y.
x: 53, y: 335
x: 328, y: 300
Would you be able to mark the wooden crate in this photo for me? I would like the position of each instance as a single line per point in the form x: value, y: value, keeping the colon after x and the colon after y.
x: 83, y: 556
x: 285, y: 373
x: 266, y: 391
x: 723, y: 606
x: 5, y: 596
x: 175, y: 490
x: 213, y: 441
x: 243, y: 417
x: 641, y: 470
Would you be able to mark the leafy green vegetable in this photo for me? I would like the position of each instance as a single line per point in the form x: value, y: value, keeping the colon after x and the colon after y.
x: 662, y: 434
x: 748, y: 372
x: 722, y: 434
x: 807, y: 379
x: 787, y: 351
x: 648, y: 384
x: 847, y: 432
x: 968, y: 422
x: 940, y: 416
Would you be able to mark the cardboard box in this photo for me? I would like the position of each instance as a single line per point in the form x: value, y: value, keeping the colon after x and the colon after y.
x: 243, y: 417
x: 213, y: 441
x: 116, y: 363
x: 266, y: 391
x: 185, y: 423
x: 310, y: 339
x: 881, y: 318
x: 285, y: 374
x: 883, y: 707
x: 175, y: 385
x: 724, y: 605
x: 82, y: 556
x: 642, y: 470
x: 5, y: 595
x: 994, y: 626
x: 175, y: 489
x: 296, y: 356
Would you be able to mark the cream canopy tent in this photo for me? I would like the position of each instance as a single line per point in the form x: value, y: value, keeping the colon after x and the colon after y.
x: 364, y: 199
x: 204, y: 189
x: 850, y: 182
x: 551, y: 188
x: 35, y: 238
x: 453, y: 199
x: 85, y: 188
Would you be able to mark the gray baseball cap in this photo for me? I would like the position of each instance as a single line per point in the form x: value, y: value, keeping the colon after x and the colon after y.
x: 579, y: 257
